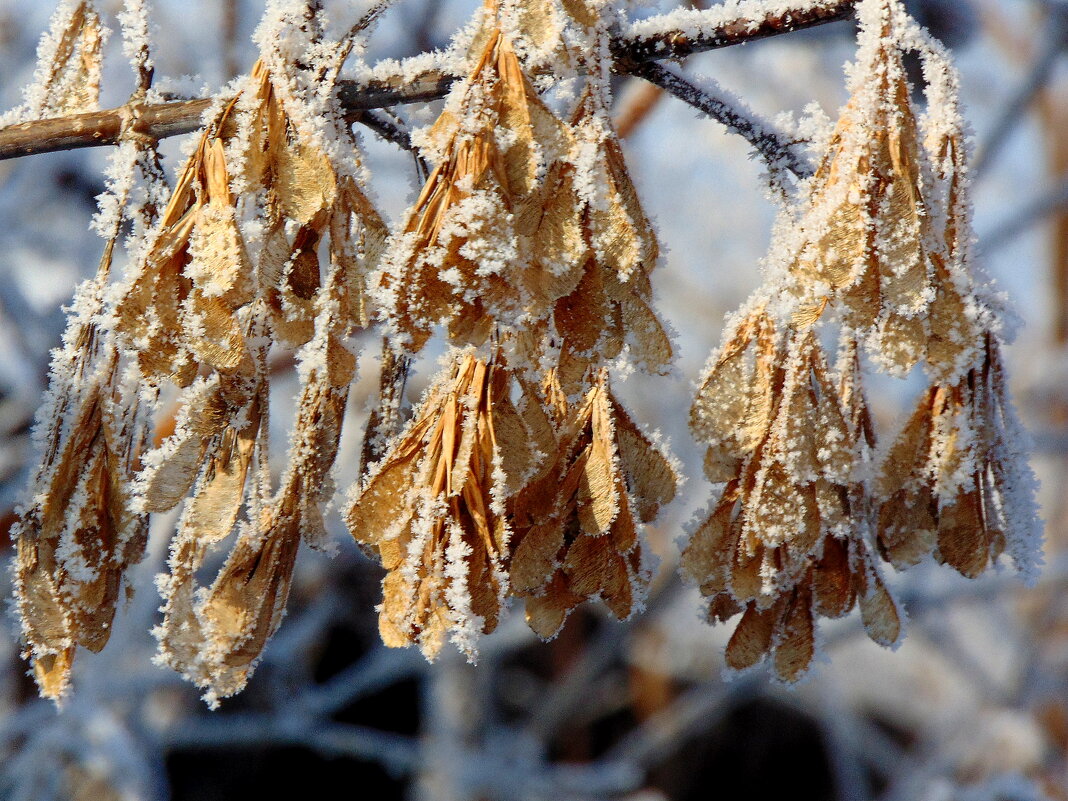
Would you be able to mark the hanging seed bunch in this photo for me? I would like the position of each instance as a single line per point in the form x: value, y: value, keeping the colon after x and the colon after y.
x: 218, y: 452
x: 434, y: 509
x: 435, y: 506
x: 809, y: 505
x: 462, y: 259
x: 565, y: 484
x: 579, y: 522
x: 788, y: 539
x: 199, y: 309
x: 193, y: 316
x: 867, y: 239
x: 78, y: 531
x: 954, y: 481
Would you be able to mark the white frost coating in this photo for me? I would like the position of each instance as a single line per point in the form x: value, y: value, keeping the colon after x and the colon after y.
x: 136, y: 34
x: 466, y: 628
x: 42, y: 96
x: 1018, y: 486
x: 710, y: 22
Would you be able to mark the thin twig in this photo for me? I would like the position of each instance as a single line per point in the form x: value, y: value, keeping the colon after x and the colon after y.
x: 560, y: 703
x: 230, y: 21
x: 696, y: 711
x: 98, y: 128
x: 160, y: 121
x: 778, y: 152
x: 383, y: 126
x: 638, y: 108
x: 379, y: 668
x: 348, y: 41
x: 426, y: 22
x: 675, y: 44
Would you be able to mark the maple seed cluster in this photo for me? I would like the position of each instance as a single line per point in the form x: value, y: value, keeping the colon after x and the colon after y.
x: 518, y: 474
x: 878, y: 248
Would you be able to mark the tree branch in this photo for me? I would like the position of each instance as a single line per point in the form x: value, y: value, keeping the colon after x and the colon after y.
x: 386, y: 128
x: 172, y: 119
x: 778, y: 152
x: 646, y: 42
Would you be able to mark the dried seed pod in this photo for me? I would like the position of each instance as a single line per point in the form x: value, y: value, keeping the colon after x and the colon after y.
x: 552, y: 222
x: 357, y: 241
x: 244, y: 606
x: 538, y: 26
x: 851, y: 394
x: 620, y: 233
x: 384, y: 420
x: 306, y: 198
x: 180, y: 309
x: 78, y: 535
x: 609, y: 307
x: 67, y: 78
x: 733, y: 407
x: 786, y: 542
x: 578, y: 523
x: 866, y: 223
x: 955, y: 318
x: 433, y: 508
x: 220, y: 491
x: 215, y: 636
x: 148, y: 316
x: 954, y: 481
x: 460, y: 259
x: 283, y: 159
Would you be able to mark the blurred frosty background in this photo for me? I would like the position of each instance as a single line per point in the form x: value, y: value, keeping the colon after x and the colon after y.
x: 973, y: 707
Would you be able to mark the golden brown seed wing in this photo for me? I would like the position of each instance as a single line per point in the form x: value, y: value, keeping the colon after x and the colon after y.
x: 546, y: 613
x: 962, y: 540
x: 536, y: 557
x: 752, y: 638
x: 72, y: 83
x: 832, y: 580
x: 174, y: 466
x: 707, y: 557
x: 793, y: 654
x: 878, y: 611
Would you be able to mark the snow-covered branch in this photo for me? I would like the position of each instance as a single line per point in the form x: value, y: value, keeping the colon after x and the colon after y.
x: 667, y: 36
x: 731, y: 112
